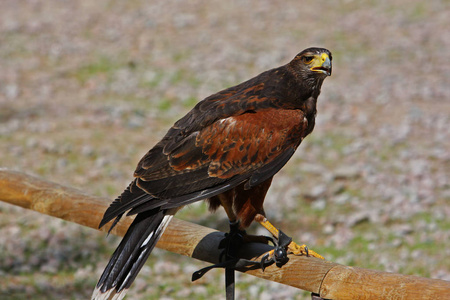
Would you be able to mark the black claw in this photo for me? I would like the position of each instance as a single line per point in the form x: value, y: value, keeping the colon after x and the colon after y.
x: 264, y: 260
x: 307, y: 251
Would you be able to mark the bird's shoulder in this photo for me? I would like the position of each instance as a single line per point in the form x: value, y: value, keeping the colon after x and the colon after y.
x: 267, y: 90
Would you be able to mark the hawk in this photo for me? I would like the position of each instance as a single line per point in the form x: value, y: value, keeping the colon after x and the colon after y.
x: 226, y: 151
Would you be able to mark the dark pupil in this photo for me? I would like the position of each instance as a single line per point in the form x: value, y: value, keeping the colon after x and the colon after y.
x: 308, y: 58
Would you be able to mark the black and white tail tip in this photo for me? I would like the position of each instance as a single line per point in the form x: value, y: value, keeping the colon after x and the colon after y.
x: 131, y: 254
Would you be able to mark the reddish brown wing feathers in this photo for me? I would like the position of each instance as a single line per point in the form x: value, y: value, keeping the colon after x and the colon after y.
x: 244, y: 143
x: 233, y: 147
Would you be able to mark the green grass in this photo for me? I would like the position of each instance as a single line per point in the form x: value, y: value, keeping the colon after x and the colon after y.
x: 165, y: 104
x: 103, y: 66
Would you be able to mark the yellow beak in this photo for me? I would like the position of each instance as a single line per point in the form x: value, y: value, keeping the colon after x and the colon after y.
x: 322, y: 64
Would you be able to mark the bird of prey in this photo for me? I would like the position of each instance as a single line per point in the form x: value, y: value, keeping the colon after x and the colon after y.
x: 225, y: 151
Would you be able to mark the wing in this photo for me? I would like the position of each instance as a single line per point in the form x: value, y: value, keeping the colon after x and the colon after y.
x: 250, y: 147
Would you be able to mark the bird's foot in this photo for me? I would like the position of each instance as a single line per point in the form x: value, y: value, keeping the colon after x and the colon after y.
x: 295, y: 249
x: 279, y: 254
x: 285, y: 246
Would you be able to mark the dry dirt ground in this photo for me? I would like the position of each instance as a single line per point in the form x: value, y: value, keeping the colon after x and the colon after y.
x: 87, y: 87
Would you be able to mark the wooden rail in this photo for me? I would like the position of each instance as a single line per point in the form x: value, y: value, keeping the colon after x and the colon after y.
x: 328, y: 279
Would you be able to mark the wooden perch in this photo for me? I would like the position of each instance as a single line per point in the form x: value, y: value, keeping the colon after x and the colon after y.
x: 328, y: 279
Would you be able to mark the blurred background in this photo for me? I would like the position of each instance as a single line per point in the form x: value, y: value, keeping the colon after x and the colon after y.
x: 88, y: 87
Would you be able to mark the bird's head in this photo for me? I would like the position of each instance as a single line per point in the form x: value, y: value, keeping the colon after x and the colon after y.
x: 312, y: 62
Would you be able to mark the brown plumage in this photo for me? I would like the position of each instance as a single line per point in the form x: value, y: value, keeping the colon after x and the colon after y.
x: 226, y: 150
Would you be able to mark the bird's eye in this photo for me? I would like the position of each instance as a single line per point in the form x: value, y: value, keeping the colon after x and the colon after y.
x: 307, y: 59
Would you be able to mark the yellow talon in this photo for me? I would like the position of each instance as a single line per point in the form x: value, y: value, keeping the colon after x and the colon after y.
x: 292, y: 247
x: 302, y: 250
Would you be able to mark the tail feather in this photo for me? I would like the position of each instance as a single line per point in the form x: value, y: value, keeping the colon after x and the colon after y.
x: 131, y: 254
x: 132, y: 196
